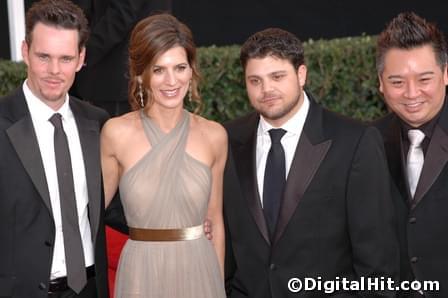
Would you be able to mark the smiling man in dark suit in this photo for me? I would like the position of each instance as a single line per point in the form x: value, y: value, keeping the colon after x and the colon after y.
x: 306, y: 192
x: 51, y: 206
x: 412, y: 70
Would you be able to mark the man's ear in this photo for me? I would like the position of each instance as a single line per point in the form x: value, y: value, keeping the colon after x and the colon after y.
x: 301, y: 74
x: 381, y: 83
x: 445, y: 75
x: 82, y: 57
x: 25, y: 51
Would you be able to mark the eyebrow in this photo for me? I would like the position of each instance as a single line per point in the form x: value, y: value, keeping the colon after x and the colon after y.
x: 420, y: 74
x: 182, y: 63
x: 277, y: 72
x: 49, y: 55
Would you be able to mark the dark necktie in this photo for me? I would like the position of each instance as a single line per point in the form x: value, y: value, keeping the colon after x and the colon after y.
x: 74, y: 255
x: 274, y: 179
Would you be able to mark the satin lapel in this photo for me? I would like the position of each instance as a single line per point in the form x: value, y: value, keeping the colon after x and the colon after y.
x: 436, y: 158
x: 307, y: 160
x: 395, y: 157
x: 309, y: 154
x: 244, y: 155
x: 89, y: 137
x: 24, y: 140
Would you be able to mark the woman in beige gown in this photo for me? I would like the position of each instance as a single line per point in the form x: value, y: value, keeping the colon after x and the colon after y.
x: 168, y: 164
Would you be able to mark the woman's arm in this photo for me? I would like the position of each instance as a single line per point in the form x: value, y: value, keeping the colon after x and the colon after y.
x: 219, y: 146
x: 109, y: 162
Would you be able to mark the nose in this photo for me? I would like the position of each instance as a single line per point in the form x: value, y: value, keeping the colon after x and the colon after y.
x: 170, y: 78
x: 412, y: 89
x: 266, y: 86
x: 53, y: 67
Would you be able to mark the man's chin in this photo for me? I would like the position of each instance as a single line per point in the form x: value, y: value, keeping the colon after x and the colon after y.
x: 273, y: 114
x: 54, y: 97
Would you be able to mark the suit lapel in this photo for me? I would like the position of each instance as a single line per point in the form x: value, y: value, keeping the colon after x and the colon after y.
x: 309, y: 154
x: 24, y: 140
x: 395, y: 157
x: 435, y: 161
x: 89, y: 137
x: 245, y: 155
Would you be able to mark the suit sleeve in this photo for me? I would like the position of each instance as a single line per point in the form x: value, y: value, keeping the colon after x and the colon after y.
x: 370, y: 212
x: 229, y: 261
x: 114, y: 216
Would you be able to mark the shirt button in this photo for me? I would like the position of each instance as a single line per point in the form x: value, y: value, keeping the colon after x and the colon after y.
x: 272, y: 266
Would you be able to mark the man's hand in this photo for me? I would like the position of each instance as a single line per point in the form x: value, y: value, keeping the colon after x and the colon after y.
x: 208, y: 229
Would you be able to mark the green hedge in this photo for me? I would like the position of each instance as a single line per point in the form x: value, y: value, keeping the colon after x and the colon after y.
x: 11, y: 75
x: 341, y: 75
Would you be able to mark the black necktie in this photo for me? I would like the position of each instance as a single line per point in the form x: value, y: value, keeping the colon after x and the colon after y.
x: 74, y: 255
x: 274, y: 179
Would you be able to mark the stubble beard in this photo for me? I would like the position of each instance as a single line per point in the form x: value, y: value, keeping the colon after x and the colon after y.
x: 280, y: 112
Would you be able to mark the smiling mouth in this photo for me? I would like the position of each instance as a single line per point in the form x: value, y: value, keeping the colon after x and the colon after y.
x: 413, y: 104
x: 170, y: 93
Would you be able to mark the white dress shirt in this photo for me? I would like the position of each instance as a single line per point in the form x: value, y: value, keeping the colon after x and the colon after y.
x: 40, y: 115
x: 293, y: 127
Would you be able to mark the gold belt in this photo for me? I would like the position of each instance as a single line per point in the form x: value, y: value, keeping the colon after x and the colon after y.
x: 189, y: 233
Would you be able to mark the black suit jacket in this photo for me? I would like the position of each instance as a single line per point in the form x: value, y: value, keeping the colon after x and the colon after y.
x: 423, y: 221
x: 337, y: 215
x: 105, y: 74
x: 27, y: 230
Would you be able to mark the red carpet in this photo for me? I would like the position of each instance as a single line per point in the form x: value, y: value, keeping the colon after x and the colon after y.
x: 115, y: 241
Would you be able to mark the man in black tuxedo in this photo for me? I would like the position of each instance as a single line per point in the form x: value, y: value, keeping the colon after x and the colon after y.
x: 51, y: 205
x: 315, y: 203
x: 412, y: 71
x: 104, y: 78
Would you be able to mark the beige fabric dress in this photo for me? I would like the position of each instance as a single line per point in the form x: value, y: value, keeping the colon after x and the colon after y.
x: 167, y: 189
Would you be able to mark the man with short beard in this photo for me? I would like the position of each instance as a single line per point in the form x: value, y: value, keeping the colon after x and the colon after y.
x: 306, y: 191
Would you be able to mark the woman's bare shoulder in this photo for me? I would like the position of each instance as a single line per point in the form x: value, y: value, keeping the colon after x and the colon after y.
x: 123, y: 122
x: 119, y: 127
x: 213, y: 131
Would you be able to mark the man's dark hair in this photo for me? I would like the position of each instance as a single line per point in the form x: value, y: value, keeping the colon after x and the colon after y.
x: 57, y: 13
x: 409, y: 31
x: 273, y: 42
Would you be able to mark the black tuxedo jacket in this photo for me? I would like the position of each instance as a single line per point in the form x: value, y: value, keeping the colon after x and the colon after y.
x: 27, y: 228
x: 105, y: 74
x: 336, y: 219
x: 422, y: 221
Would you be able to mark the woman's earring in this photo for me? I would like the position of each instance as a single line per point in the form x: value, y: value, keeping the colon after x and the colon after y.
x: 140, y: 91
x: 190, y: 91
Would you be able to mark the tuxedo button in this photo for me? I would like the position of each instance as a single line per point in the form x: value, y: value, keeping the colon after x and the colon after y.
x: 48, y: 243
x: 414, y: 260
x: 42, y: 286
x: 412, y: 220
x: 272, y: 266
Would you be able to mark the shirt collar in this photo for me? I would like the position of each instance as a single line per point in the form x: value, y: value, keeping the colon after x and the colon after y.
x: 427, y: 128
x: 294, y: 125
x: 39, y: 110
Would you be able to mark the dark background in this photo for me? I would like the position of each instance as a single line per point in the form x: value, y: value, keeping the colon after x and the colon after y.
x: 228, y: 22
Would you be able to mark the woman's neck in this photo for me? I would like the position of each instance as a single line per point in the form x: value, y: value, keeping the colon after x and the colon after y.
x: 165, y: 118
